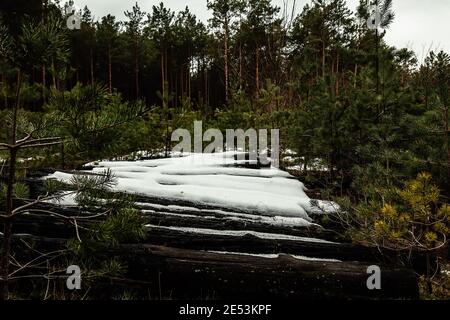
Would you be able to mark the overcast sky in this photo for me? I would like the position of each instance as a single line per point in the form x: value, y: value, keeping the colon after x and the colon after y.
x: 419, y: 25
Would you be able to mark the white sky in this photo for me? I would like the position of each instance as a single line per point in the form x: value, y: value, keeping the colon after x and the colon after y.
x: 419, y: 25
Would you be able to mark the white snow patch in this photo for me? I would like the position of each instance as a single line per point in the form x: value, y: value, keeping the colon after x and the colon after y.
x: 275, y: 220
x: 210, y: 179
x: 167, y: 207
x: 66, y: 199
x: 175, y: 214
x: 240, y: 233
x: 323, y: 206
x: 275, y: 256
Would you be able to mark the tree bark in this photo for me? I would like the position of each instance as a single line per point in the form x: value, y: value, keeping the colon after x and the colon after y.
x: 136, y: 68
x: 323, y: 59
x: 9, y: 206
x: 163, y: 80
x: 240, y: 66
x: 257, y: 73
x: 91, y: 53
x: 446, y: 133
x: 225, y: 48
x: 337, y: 73
x: 109, y: 68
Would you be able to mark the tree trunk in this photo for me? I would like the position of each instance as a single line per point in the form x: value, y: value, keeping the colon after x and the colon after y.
x: 163, y: 80
x: 377, y: 66
x: 7, y: 228
x: 257, y: 73
x: 225, y: 48
x: 337, y: 73
x: 323, y: 59
x: 446, y: 134
x: 92, y: 65
x: 54, y: 74
x: 166, y: 76
x: 182, y: 83
x: 136, y: 69
x: 189, y: 88
x: 428, y: 273
x: 109, y: 68
x: 44, y: 84
x: 206, y: 88
x: 9, y: 206
x: 240, y: 66
x: 188, y: 75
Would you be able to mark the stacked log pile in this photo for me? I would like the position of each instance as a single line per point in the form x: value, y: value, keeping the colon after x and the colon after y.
x: 195, y: 252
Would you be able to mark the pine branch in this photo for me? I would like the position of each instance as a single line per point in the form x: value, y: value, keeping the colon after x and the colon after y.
x: 27, y: 143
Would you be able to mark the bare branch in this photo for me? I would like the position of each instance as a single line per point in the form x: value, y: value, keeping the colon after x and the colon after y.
x: 42, y: 145
x: 36, y: 259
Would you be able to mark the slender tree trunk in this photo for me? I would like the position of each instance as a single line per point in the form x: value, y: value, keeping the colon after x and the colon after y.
x: 188, y: 74
x: 377, y: 61
x: 6, y: 96
x: 77, y: 71
x: 317, y: 69
x: 92, y: 65
x: 182, y: 82
x: 225, y: 48
x: 2, y: 82
x: 7, y: 228
x: 63, y: 157
x: 257, y: 73
x: 44, y: 10
x: 44, y: 83
x: 9, y: 207
x: 54, y: 74
x: 333, y: 77
x: 136, y: 69
x: 428, y: 273
x: 240, y: 66
x: 163, y: 80
x: 189, y: 84
x: 337, y: 73
x: 446, y: 133
x: 377, y: 70
x: 323, y: 59
x: 109, y: 68
x: 205, y: 74
x: 189, y: 80
x: 166, y: 75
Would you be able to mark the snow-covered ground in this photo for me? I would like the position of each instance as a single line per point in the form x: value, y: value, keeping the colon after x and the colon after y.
x: 211, y: 179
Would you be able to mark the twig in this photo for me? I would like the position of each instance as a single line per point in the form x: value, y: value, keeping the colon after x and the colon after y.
x: 76, y: 230
x: 37, y: 258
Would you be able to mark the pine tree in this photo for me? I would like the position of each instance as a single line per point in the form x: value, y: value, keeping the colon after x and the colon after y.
x: 21, y: 54
x: 224, y: 12
x: 160, y: 29
x: 107, y: 31
x: 134, y: 31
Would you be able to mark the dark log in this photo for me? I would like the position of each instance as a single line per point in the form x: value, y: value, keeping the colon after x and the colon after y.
x: 184, y: 274
x: 224, y: 222
x: 170, y: 273
x: 252, y: 244
x: 55, y: 227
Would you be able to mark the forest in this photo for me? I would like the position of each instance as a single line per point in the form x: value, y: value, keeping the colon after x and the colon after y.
x: 363, y: 125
